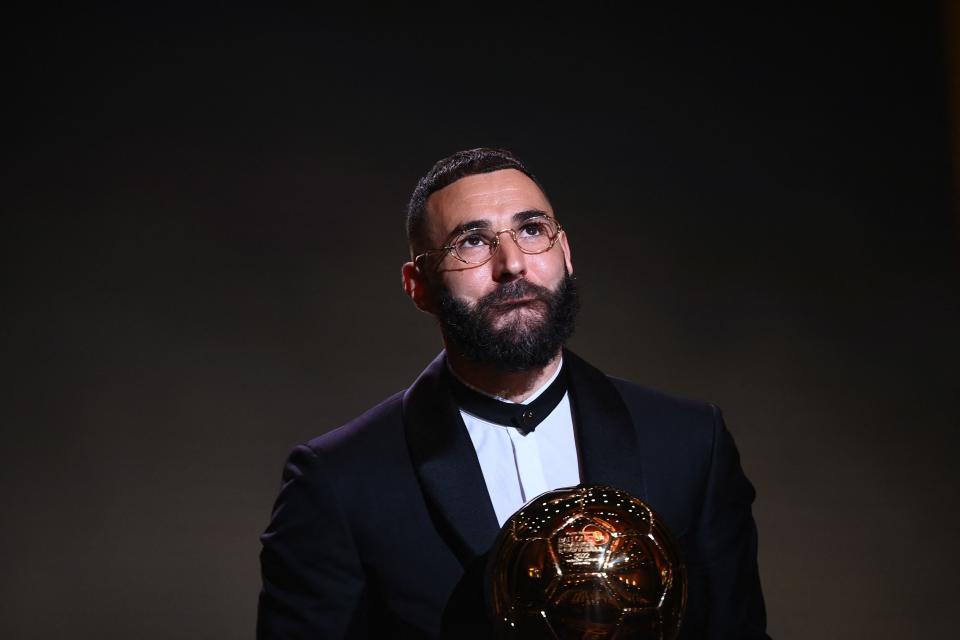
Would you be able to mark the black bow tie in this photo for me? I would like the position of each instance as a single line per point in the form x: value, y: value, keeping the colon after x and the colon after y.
x: 525, y: 417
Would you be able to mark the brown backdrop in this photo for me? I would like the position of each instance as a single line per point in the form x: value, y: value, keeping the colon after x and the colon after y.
x: 202, y: 243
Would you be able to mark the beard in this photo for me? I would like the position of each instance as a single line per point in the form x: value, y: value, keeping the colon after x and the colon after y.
x: 507, y: 335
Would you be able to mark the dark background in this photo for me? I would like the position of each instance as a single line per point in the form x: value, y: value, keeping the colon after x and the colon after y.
x: 202, y: 245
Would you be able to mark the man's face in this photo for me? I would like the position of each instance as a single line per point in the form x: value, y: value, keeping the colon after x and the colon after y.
x: 514, y: 311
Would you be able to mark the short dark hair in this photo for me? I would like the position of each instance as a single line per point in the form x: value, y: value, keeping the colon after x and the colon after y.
x: 447, y: 171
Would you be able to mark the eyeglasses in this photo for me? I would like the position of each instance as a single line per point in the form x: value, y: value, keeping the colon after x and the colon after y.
x: 476, y: 246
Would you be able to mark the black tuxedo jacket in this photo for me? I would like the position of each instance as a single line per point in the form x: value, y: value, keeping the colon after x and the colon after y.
x: 376, y: 521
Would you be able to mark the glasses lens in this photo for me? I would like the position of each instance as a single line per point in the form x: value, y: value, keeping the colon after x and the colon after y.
x: 536, y: 235
x: 475, y: 246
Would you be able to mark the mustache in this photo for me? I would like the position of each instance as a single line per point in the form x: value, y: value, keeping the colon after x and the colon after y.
x: 511, y: 291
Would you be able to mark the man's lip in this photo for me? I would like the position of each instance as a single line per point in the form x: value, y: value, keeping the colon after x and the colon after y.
x: 516, y: 301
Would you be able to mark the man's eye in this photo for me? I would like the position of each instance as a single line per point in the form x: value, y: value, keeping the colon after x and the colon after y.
x: 533, y: 229
x: 472, y: 241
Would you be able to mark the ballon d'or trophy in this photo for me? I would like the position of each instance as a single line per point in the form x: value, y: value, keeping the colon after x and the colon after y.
x: 586, y: 562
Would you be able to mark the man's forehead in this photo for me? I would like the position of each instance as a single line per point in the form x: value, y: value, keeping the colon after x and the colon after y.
x: 493, y: 196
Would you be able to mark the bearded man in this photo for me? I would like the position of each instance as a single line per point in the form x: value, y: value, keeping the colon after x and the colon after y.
x: 378, y: 521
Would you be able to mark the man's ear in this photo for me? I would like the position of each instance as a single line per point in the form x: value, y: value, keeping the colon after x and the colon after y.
x: 416, y: 286
x: 565, y: 247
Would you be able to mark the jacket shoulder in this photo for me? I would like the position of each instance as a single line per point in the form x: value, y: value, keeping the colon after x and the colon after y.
x: 646, y: 399
x: 669, y: 422
x: 372, y: 431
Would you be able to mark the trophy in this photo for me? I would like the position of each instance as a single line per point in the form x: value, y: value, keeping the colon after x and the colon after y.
x: 586, y: 562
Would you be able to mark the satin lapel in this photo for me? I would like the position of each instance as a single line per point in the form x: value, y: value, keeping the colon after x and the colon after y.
x: 447, y: 464
x: 607, y: 440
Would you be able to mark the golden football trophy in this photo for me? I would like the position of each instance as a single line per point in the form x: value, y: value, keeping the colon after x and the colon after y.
x: 586, y: 562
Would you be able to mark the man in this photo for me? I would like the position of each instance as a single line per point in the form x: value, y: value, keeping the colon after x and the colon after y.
x: 378, y: 521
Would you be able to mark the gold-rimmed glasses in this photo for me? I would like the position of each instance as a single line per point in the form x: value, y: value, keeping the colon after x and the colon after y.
x: 476, y: 245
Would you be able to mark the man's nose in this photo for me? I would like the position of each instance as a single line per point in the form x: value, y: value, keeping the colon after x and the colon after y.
x: 508, y: 263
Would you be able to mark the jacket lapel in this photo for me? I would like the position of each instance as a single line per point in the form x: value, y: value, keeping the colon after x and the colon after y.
x: 449, y: 470
x: 606, y: 437
x: 447, y: 464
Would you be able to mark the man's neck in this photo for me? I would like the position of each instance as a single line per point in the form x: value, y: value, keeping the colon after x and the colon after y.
x: 515, y: 386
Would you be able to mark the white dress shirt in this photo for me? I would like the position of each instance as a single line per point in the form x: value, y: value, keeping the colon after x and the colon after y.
x: 516, y: 467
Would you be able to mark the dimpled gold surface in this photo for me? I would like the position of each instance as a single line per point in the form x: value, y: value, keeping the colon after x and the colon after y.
x: 587, y: 562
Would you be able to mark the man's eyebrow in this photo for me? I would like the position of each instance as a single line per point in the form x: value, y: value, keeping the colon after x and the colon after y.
x: 472, y: 224
x: 483, y: 223
x: 529, y: 213
x: 467, y: 226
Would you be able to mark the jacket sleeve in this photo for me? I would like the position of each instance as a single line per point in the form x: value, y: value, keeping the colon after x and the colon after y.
x: 723, y: 562
x: 313, y: 582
